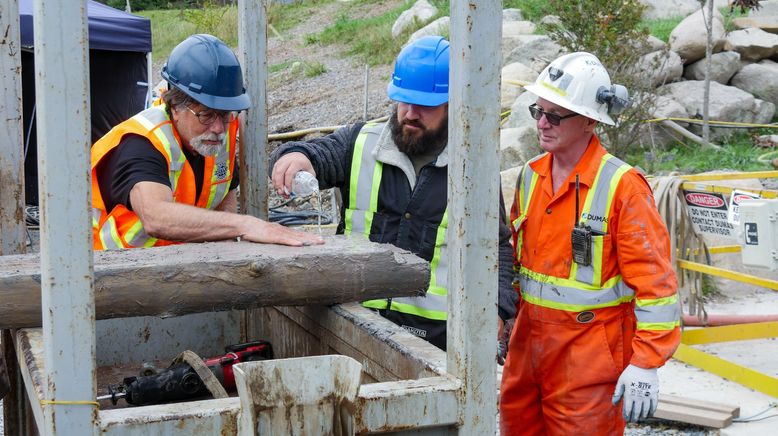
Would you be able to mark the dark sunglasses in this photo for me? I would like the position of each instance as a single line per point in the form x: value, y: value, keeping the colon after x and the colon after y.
x: 209, y: 116
x: 536, y: 112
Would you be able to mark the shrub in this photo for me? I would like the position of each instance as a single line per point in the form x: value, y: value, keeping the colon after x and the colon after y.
x: 611, y: 30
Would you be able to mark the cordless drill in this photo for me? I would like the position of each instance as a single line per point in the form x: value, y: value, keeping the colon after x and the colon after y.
x: 180, y: 381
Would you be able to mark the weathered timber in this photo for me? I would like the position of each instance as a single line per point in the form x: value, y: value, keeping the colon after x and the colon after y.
x: 191, y: 278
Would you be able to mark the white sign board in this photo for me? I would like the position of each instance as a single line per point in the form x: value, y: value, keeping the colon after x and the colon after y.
x: 734, y: 205
x: 708, y: 213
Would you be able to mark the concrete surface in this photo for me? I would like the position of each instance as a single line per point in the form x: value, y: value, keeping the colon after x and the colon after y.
x: 677, y: 378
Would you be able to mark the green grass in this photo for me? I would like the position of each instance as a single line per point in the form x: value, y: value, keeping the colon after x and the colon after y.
x: 531, y: 10
x: 286, y: 16
x: 168, y: 28
x: 313, y: 69
x: 738, y: 153
x: 370, y: 39
x: 171, y: 26
x: 662, y: 27
x: 280, y: 66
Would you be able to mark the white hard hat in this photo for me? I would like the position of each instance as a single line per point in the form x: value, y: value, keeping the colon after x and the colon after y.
x: 577, y: 82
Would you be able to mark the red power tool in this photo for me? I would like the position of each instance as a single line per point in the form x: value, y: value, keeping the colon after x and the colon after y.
x: 180, y: 381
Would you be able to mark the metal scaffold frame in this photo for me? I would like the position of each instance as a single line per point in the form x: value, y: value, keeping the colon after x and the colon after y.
x: 468, y: 386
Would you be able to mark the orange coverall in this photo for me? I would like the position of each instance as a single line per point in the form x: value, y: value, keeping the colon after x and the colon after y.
x: 563, y: 364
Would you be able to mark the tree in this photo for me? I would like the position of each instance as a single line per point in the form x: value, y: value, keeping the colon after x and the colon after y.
x: 612, y: 31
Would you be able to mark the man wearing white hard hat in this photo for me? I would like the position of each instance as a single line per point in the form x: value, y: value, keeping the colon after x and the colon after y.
x: 598, y: 312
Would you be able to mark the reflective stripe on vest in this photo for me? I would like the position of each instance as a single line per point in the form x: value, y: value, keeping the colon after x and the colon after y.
x: 156, y: 122
x: 583, y: 289
x: 526, y: 188
x: 365, y: 178
x: 658, y: 313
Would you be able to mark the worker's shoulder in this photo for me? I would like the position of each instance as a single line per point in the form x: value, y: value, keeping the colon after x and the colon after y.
x: 634, y: 182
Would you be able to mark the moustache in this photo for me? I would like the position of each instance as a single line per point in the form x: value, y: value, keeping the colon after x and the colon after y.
x: 413, y: 123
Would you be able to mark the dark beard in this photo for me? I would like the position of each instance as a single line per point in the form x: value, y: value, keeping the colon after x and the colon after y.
x: 429, y: 142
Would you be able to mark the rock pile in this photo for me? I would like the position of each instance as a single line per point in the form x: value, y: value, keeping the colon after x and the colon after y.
x: 744, y: 72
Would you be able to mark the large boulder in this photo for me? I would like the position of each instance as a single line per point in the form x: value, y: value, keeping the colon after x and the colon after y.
x: 516, y: 28
x: 723, y: 66
x: 512, y: 14
x: 769, y: 63
x: 764, y: 111
x: 513, y: 35
x: 520, y: 116
x: 657, y: 9
x: 654, y: 135
x: 421, y: 12
x: 659, y: 67
x: 534, y: 51
x: 517, y: 145
x: 768, y: 24
x: 689, y: 37
x: 767, y: 8
x: 727, y: 103
x: 515, y: 72
x: 752, y: 44
x: 759, y: 80
x: 437, y: 27
x: 508, y: 185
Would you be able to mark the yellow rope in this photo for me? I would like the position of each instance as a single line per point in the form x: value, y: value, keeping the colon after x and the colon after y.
x: 55, y: 402
x: 712, y: 122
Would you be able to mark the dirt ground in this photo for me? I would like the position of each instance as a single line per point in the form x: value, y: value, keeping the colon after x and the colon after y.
x: 335, y: 97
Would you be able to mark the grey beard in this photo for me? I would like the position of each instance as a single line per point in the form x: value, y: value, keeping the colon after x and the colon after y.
x: 207, y: 149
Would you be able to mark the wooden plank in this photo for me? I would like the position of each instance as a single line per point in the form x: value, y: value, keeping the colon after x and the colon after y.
x: 193, y: 278
x: 700, y: 404
x: 692, y: 415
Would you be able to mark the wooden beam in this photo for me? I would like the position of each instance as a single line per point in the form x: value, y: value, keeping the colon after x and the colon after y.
x: 192, y: 278
x: 693, y: 411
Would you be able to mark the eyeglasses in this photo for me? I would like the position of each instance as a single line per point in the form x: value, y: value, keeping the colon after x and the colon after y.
x: 209, y: 116
x: 553, y: 119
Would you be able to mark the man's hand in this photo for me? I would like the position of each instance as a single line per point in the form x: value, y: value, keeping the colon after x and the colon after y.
x: 504, y: 329
x: 166, y: 219
x: 640, y: 389
x: 273, y: 233
x: 285, y: 169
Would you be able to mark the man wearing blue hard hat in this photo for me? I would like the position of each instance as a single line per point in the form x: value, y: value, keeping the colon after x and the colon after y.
x: 393, y: 178
x: 168, y: 174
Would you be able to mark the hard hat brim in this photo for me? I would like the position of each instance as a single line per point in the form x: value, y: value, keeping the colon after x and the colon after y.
x: 237, y: 103
x: 420, y: 98
x: 557, y: 99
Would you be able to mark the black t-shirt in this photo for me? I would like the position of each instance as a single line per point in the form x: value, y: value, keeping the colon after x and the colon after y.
x: 136, y: 160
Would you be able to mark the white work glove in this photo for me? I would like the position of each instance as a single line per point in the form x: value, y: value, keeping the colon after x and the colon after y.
x: 640, y: 389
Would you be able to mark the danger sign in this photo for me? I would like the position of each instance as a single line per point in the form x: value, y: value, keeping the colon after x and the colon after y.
x: 708, y: 213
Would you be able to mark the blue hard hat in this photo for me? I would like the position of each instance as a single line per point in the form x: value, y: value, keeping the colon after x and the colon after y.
x: 421, y: 73
x: 204, y: 68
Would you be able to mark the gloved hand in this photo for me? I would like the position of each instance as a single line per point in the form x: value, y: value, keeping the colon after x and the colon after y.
x: 503, y: 337
x: 640, y: 389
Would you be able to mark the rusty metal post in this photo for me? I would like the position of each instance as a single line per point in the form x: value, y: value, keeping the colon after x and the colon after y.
x: 12, y: 228
x: 473, y: 209
x: 252, y: 49
x: 254, y: 189
x: 67, y: 293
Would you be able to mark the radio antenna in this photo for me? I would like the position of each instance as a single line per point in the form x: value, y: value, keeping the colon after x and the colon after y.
x: 577, y: 191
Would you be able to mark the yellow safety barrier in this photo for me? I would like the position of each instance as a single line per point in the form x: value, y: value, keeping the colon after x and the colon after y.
x: 737, y: 373
x: 727, y: 274
x: 724, y: 249
x: 729, y: 176
x: 764, y: 193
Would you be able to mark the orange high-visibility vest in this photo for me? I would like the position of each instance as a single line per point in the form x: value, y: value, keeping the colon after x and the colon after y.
x: 121, y: 228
